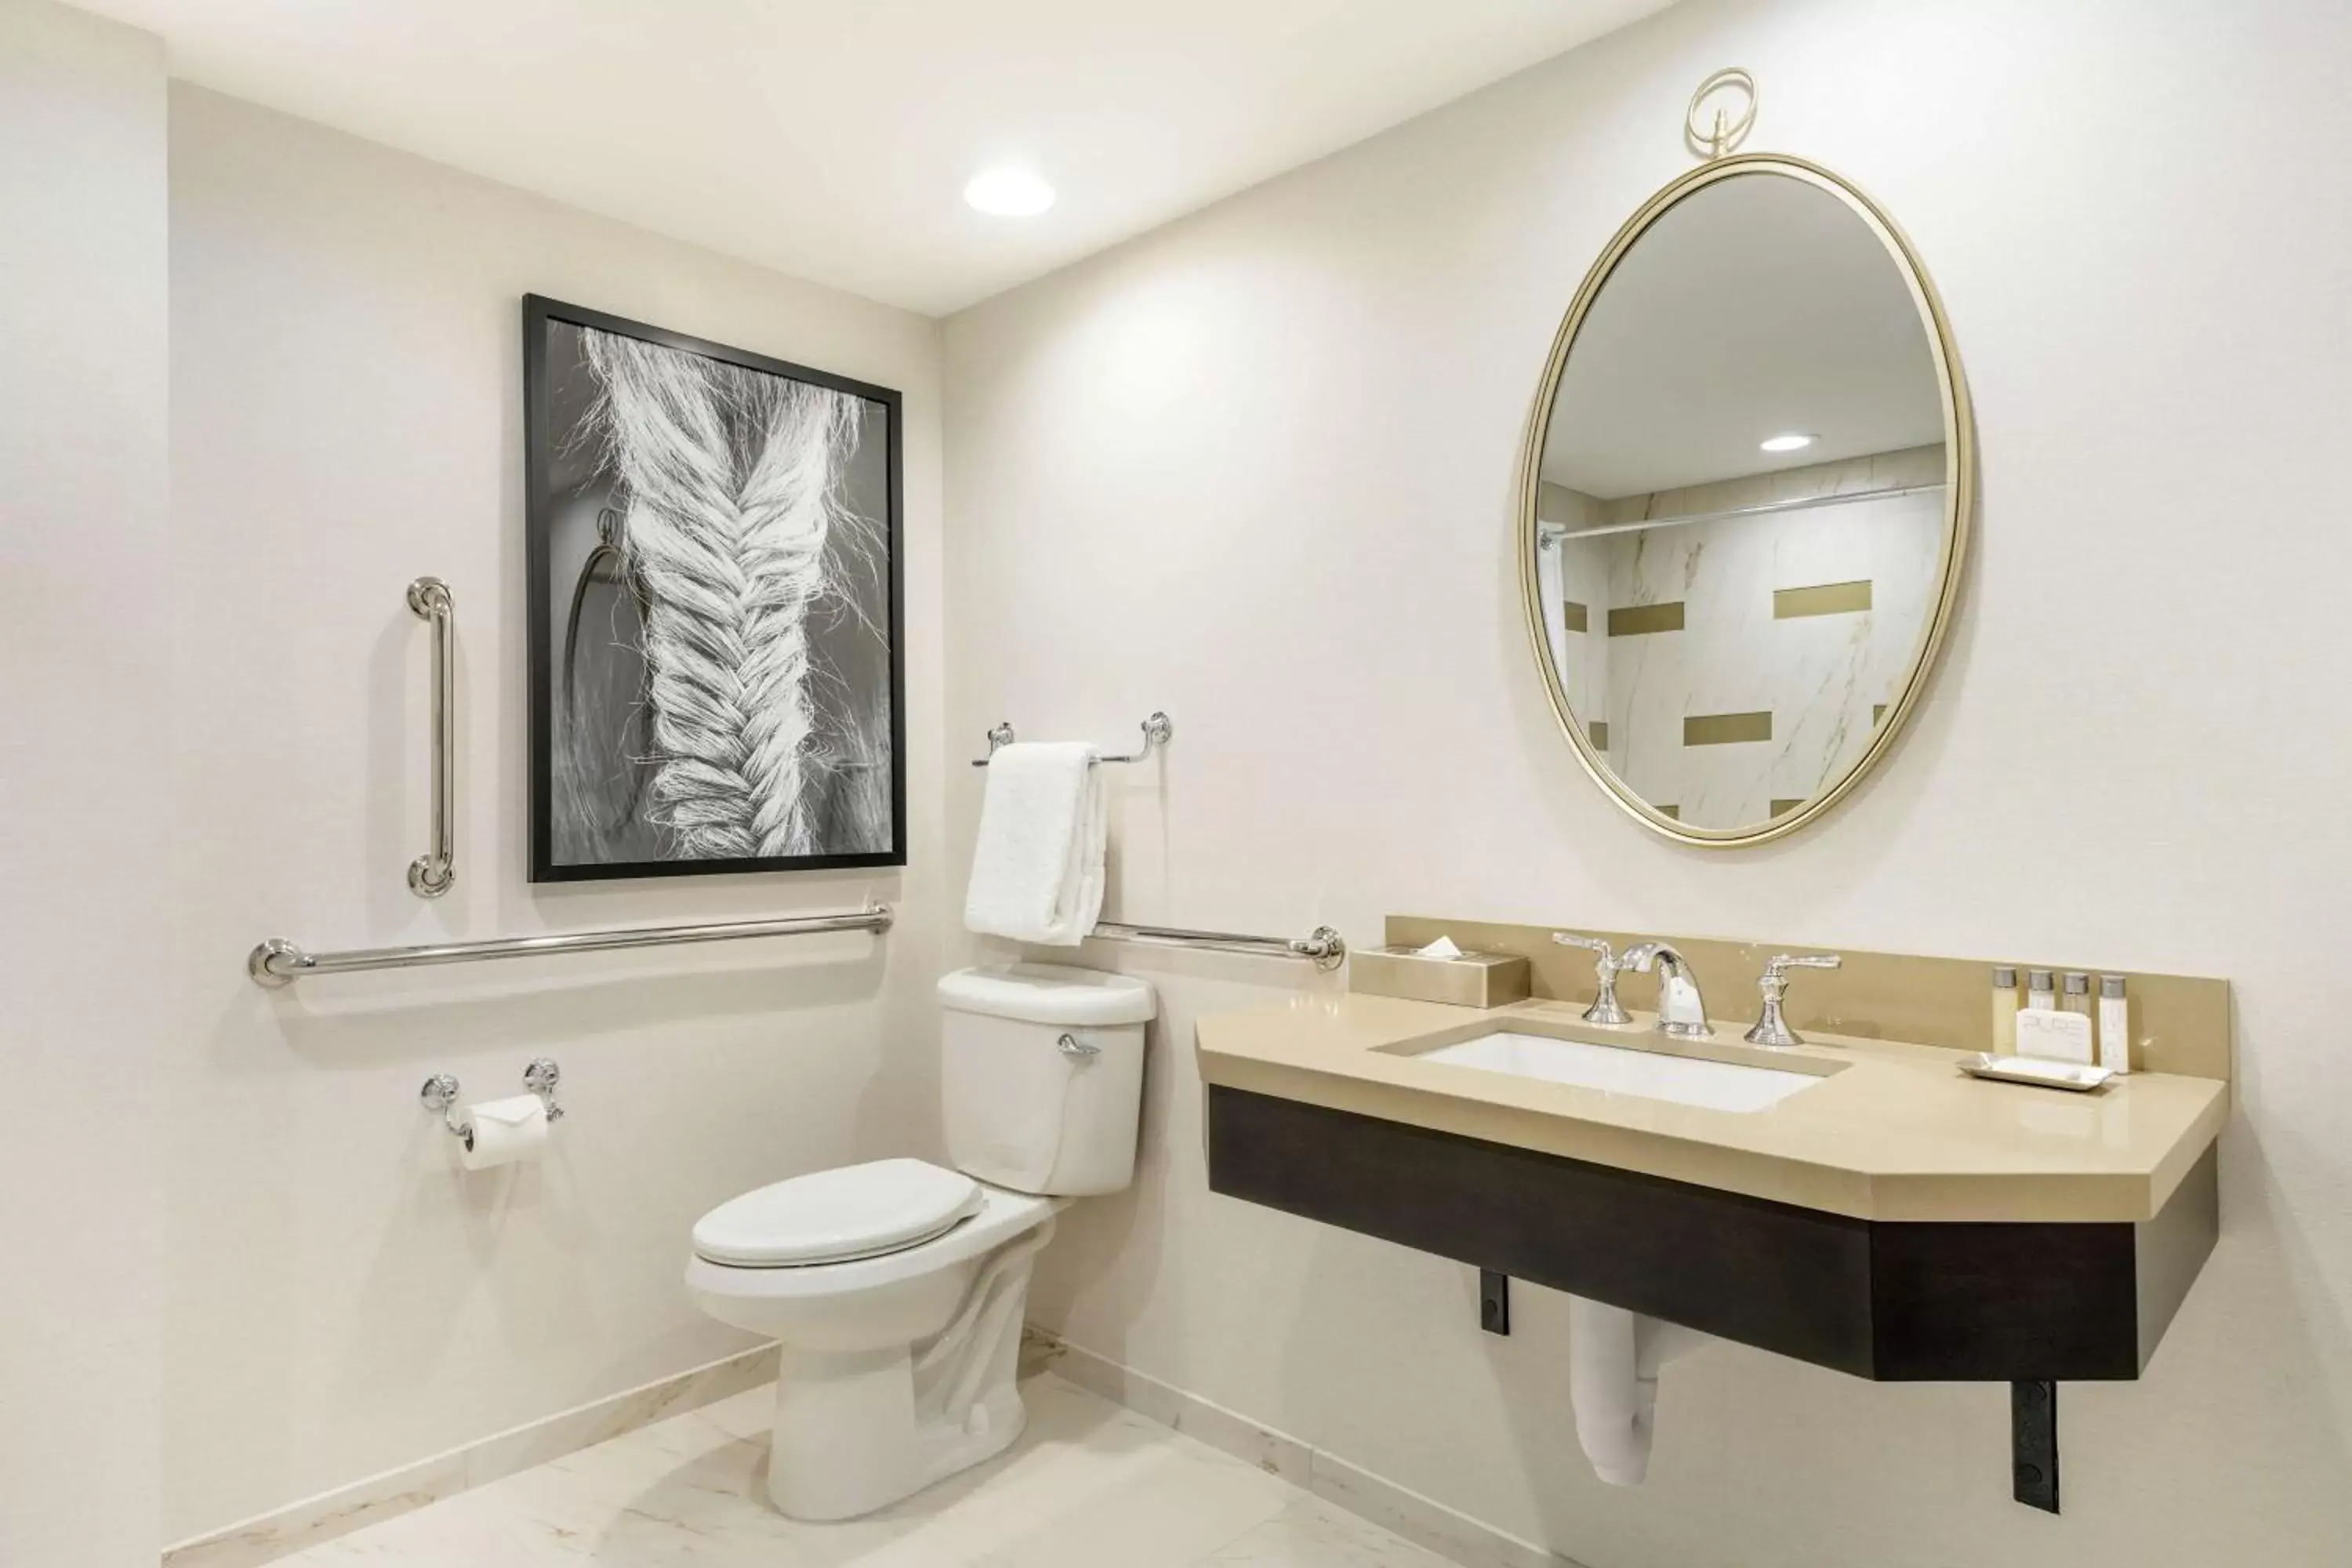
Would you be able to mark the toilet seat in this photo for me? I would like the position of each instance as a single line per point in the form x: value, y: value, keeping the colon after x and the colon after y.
x: 838, y: 1217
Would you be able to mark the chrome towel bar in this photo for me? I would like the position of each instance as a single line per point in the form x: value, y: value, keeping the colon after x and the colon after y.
x: 277, y: 962
x: 1325, y: 946
x: 1157, y: 733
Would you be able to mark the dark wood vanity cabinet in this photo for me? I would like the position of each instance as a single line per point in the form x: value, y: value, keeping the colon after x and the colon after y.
x: 1891, y: 1300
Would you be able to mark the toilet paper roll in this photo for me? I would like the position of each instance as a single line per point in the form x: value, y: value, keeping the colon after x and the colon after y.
x: 501, y: 1131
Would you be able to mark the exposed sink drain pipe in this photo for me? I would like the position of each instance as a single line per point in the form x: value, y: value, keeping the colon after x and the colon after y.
x: 1613, y: 1357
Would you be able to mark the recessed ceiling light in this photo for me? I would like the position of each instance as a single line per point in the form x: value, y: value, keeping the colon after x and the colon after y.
x: 1788, y: 443
x: 1010, y: 192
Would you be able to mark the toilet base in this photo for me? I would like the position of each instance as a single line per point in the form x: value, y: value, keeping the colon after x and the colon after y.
x: 848, y: 1440
x: 858, y: 1431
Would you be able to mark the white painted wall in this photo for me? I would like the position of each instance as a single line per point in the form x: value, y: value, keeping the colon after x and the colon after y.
x: 1255, y: 468
x: 85, y: 746
x: 346, y: 377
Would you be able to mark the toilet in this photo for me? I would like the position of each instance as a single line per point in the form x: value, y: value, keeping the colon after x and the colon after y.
x: 896, y: 1289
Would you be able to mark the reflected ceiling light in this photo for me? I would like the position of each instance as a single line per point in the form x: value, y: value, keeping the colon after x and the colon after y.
x: 1788, y: 443
x: 1010, y: 192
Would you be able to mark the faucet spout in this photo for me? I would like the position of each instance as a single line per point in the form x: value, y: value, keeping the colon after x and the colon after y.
x: 1682, y: 1010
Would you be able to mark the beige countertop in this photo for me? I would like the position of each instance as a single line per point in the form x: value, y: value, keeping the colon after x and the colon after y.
x: 1894, y: 1131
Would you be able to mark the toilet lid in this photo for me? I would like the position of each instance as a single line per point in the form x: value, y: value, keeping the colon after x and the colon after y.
x: 831, y: 1216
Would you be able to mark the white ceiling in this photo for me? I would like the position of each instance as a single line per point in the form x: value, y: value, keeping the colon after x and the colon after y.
x: 831, y: 138
x: 1758, y: 306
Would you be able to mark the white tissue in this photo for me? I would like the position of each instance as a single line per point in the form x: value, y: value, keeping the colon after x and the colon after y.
x: 1442, y: 948
x: 501, y: 1131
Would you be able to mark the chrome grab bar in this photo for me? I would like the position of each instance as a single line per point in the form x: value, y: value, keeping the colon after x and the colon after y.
x: 1158, y: 730
x: 433, y: 873
x: 278, y: 962
x: 1325, y: 946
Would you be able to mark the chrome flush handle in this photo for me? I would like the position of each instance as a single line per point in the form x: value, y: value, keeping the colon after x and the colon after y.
x: 1077, y: 1049
x: 1771, y: 1028
x: 1605, y: 1009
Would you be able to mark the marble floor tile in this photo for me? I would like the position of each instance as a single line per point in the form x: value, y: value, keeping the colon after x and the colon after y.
x: 1312, y: 1534
x: 1089, y: 1485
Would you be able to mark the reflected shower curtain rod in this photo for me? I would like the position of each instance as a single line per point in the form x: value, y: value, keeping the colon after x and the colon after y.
x: 1761, y: 509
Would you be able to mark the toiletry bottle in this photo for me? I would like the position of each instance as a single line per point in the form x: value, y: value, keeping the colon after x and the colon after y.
x: 2040, y: 989
x: 2077, y: 998
x: 2114, y: 1025
x: 2004, y: 1010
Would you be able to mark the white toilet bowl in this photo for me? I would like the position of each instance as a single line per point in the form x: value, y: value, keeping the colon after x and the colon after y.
x: 898, y: 1366
x: 895, y: 1289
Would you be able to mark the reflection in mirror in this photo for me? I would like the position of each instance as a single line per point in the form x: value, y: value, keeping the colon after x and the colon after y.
x: 1742, y: 516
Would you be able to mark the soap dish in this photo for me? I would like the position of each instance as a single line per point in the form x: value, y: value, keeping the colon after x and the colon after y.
x: 2036, y: 1070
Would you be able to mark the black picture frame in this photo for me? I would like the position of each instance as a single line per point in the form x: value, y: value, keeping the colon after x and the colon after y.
x: 541, y: 315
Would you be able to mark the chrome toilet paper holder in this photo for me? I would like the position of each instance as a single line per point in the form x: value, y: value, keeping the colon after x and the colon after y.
x: 441, y: 1091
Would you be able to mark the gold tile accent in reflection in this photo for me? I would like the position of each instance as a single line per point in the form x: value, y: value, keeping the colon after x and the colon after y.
x: 1783, y: 807
x: 1725, y: 729
x: 1597, y: 733
x: 1640, y: 620
x: 1673, y: 811
x: 1821, y: 599
x: 1574, y: 617
x: 2179, y: 1023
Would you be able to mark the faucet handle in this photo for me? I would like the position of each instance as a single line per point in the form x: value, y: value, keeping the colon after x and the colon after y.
x: 1771, y: 1028
x: 1605, y: 1009
x: 1590, y: 943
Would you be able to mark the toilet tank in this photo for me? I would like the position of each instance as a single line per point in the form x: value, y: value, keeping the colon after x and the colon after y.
x: 1041, y: 1083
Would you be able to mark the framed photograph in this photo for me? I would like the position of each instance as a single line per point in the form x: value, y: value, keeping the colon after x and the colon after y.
x: 716, y: 676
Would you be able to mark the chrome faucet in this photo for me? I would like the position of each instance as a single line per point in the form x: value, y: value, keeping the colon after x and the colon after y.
x: 1772, y: 1029
x: 1605, y: 1009
x: 1682, y: 1011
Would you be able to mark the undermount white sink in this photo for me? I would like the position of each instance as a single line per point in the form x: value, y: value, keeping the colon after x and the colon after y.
x: 1625, y: 1070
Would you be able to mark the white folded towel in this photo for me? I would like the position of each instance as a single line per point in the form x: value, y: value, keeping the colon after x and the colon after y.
x: 1037, y: 875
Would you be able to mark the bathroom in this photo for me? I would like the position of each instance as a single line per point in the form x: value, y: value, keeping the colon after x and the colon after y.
x: 1240, y: 430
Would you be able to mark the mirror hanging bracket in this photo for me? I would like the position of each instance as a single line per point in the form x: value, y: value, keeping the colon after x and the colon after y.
x: 1721, y: 136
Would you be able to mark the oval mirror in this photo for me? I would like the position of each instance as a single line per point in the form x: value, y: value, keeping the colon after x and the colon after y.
x: 1745, y: 501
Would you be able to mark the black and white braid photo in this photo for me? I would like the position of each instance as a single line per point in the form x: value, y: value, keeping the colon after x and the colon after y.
x: 743, y: 595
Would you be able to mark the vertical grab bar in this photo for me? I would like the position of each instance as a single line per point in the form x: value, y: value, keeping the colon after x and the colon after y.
x: 431, y: 874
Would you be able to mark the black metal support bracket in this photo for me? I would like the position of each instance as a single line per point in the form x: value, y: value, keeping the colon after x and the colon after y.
x: 1494, y: 1301
x: 2033, y: 1444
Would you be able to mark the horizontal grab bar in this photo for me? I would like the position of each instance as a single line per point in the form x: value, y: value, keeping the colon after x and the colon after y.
x: 277, y: 962
x: 1325, y: 946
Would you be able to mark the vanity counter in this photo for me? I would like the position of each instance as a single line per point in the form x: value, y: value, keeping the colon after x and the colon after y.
x: 1894, y: 1132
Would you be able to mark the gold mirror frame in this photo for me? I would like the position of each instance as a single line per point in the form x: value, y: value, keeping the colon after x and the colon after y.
x: 1959, y: 491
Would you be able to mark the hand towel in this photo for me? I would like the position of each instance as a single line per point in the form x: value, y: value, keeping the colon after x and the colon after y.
x: 1037, y: 873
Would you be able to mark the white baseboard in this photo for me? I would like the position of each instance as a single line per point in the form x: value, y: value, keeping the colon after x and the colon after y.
x: 1422, y: 1521
x: 1419, y: 1520
x: 285, y: 1531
